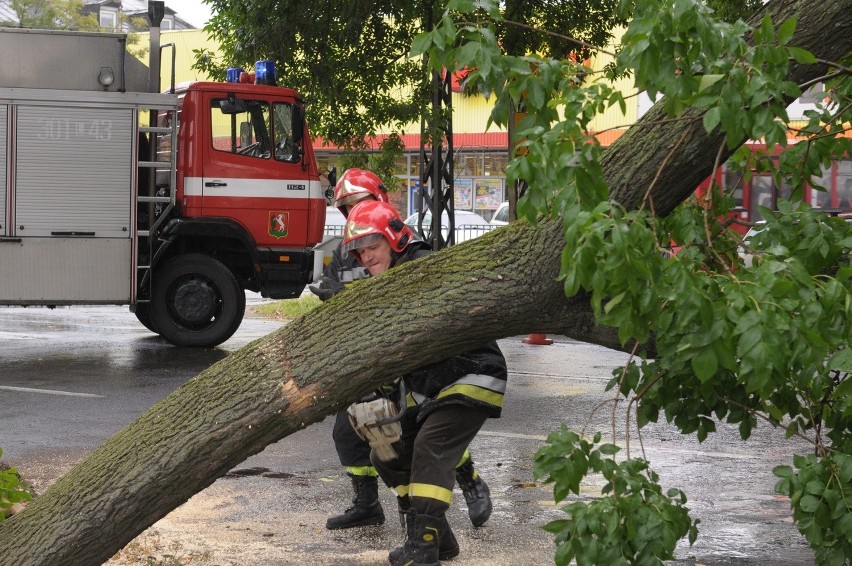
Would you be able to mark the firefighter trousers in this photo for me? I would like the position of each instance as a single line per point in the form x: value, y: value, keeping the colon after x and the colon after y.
x: 427, y: 454
x: 352, y: 450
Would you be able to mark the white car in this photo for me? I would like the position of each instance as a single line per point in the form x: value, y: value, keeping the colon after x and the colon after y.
x: 334, y: 221
x: 744, y: 251
x: 748, y: 257
x: 468, y: 224
x: 501, y: 215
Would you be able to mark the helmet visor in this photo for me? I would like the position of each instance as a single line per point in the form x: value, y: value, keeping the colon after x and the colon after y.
x: 351, y: 199
x: 361, y: 242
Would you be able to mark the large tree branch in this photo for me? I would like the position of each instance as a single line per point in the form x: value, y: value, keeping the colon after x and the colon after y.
x: 502, y: 284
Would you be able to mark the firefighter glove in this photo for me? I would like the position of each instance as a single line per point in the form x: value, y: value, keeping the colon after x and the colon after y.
x: 326, y: 288
x: 374, y: 422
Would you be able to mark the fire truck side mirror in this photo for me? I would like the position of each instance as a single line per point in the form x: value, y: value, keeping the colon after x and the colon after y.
x: 232, y: 105
x: 298, y: 124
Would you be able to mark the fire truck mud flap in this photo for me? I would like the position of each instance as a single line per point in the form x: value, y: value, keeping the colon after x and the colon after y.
x: 196, y: 301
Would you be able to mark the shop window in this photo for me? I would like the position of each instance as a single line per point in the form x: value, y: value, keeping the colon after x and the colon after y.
x: 822, y: 199
x: 761, y: 195
x: 844, y: 184
x: 495, y: 164
x: 785, y: 191
x: 467, y: 165
x: 732, y: 183
x: 401, y: 164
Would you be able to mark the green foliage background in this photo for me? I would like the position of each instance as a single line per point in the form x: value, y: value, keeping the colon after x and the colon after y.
x: 351, y: 60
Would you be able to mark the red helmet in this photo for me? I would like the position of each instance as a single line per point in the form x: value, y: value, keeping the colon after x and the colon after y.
x: 355, y: 185
x: 371, y: 220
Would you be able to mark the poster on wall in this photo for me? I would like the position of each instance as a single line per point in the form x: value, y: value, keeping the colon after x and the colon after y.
x: 413, y: 187
x: 489, y: 193
x: 463, y: 194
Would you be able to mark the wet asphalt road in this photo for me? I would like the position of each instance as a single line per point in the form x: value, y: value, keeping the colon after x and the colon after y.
x: 72, y: 377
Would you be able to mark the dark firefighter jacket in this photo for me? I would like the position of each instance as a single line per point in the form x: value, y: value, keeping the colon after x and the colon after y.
x: 476, y: 378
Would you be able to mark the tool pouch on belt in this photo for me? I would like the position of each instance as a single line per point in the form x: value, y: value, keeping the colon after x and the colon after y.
x: 377, y: 422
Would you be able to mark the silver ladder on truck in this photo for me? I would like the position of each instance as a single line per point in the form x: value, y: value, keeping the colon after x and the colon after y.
x: 156, y: 200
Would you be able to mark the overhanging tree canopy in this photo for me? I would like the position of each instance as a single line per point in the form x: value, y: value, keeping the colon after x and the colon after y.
x: 350, y: 60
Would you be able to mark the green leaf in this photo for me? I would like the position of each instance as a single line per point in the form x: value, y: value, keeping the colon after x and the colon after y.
x: 809, y: 504
x: 421, y: 44
x: 707, y: 81
x: 786, y: 30
x: 802, y: 56
x: 705, y: 364
x: 609, y: 449
x: 711, y: 119
x: 612, y: 303
x: 841, y: 360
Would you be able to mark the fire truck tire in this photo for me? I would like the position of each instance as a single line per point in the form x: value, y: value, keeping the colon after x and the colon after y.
x: 143, y: 313
x: 196, y: 301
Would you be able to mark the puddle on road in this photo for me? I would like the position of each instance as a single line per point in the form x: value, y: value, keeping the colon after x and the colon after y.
x: 257, y: 471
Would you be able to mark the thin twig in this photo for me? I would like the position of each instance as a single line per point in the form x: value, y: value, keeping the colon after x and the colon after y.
x: 595, y: 410
x: 764, y: 417
x: 560, y: 36
x: 660, y: 169
x: 618, y: 395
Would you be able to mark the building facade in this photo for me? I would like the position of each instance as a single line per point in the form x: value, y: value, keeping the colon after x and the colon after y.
x: 111, y: 15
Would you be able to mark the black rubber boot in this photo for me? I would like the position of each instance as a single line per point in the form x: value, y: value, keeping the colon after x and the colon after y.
x: 422, y: 543
x: 448, y: 547
x: 476, y: 493
x: 365, y: 510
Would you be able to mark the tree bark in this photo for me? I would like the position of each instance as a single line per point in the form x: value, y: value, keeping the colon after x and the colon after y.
x: 502, y: 284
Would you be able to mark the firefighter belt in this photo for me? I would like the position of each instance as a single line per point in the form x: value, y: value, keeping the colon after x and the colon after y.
x: 377, y: 422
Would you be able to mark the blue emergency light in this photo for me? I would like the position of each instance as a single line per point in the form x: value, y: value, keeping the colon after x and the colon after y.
x: 264, y: 73
x: 233, y: 74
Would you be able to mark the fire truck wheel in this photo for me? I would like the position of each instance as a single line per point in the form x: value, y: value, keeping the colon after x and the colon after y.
x: 143, y: 313
x: 196, y: 301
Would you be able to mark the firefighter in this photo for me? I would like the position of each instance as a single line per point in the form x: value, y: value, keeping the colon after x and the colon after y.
x: 354, y: 186
x: 445, y: 405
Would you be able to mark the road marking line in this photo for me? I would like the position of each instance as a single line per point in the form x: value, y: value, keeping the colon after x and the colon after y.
x: 656, y: 449
x: 51, y: 392
x: 512, y: 435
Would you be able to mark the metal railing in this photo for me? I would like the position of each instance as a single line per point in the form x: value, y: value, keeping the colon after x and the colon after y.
x: 463, y: 233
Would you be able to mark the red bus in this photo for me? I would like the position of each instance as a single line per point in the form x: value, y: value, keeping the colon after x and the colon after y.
x: 762, y: 190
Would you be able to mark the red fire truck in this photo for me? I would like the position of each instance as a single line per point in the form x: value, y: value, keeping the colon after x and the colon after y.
x: 173, y: 204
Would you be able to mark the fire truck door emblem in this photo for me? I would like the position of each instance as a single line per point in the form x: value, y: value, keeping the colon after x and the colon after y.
x: 279, y: 223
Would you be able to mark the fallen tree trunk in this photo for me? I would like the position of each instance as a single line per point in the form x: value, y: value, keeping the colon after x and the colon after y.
x: 376, y: 331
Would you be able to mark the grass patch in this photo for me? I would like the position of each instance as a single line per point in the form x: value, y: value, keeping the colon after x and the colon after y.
x: 288, y: 308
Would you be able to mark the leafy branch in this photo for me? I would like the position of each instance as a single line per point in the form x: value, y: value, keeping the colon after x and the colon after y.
x: 11, y: 490
x: 732, y: 343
